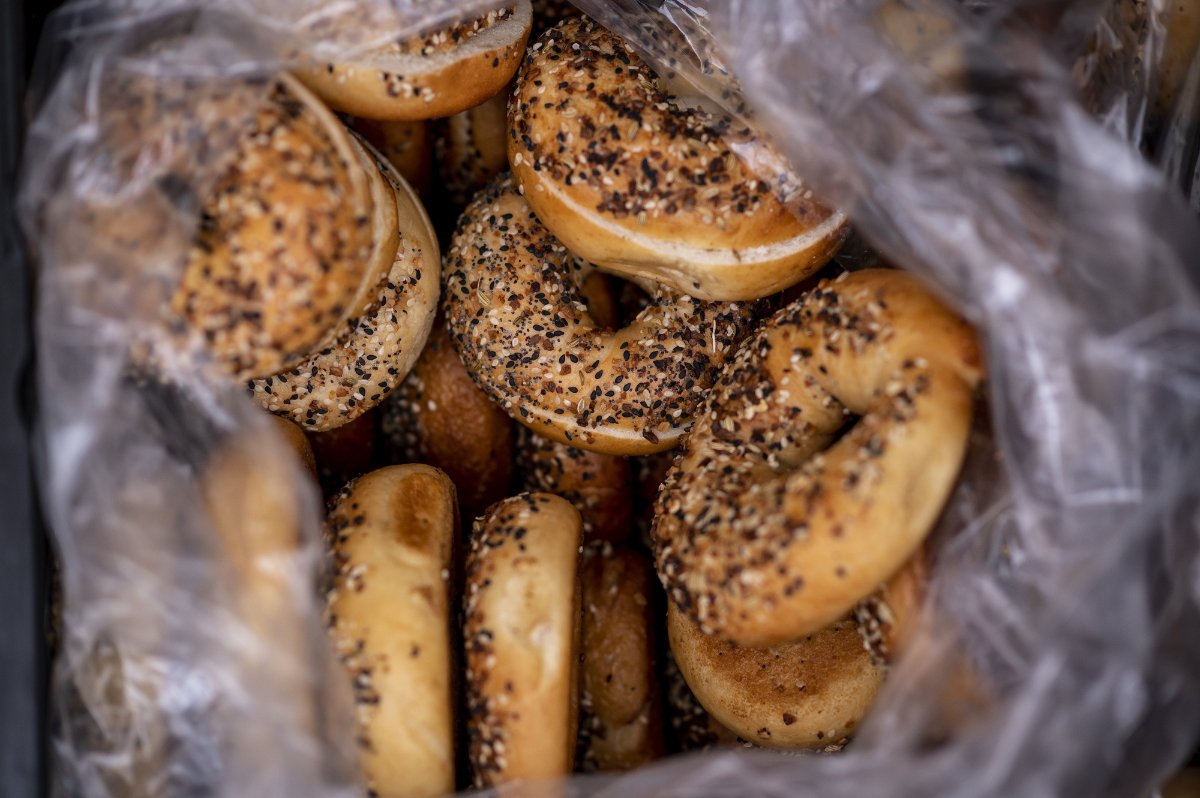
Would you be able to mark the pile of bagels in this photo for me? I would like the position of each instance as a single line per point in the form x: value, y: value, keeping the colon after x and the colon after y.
x: 634, y: 467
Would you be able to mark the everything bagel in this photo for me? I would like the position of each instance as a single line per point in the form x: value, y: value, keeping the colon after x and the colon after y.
x: 392, y: 535
x: 766, y: 528
x: 639, y: 186
x: 377, y: 349
x: 521, y: 629
x: 438, y: 74
x: 284, y: 240
x: 514, y: 310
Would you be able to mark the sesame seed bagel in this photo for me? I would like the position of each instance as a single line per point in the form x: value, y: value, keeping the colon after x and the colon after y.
x: 599, y: 485
x: 634, y: 183
x: 392, y: 533
x: 521, y: 632
x: 514, y: 310
x: 284, y: 240
x: 375, y: 350
x: 808, y: 693
x: 472, y: 149
x: 620, y: 714
x: 767, y: 529
x: 440, y: 417
x: 439, y: 74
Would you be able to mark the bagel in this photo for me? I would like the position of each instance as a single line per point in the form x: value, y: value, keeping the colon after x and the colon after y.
x: 407, y: 145
x: 599, y: 485
x: 438, y: 416
x: 808, y: 693
x: 344, y: 453
x: 392, y: 535
x: 886, y: 619
x: 513, y: 308
x: 692, y: 728
x: 620, y: 718
x: 297, y: 441
x: 471, y: 149
x: 284, y: 240
x: 439, y: 74
x: 376, y: 349
x: 766, y: 528
x: 639, y: 186
x: 521, y: 631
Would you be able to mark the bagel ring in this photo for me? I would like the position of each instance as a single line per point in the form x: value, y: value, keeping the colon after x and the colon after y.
x: 376, y: 349
x: 514, y: 310
x: 633, y: 183
x: 392, y: 534
x: 765, y: 531
x: 521, y: 629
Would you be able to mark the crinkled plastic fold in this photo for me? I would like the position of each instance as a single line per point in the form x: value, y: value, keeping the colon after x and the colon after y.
x: 997, y: 148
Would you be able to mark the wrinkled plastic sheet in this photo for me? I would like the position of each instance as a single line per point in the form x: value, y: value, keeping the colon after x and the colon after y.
x: 1058, y: 654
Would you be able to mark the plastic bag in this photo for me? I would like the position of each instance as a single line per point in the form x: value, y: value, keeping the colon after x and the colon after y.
x: 1068, y: 583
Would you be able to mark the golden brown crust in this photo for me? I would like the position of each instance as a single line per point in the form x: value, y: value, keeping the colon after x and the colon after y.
x: 521, y: 632
x: 438, y: 416
x: 640, y: 187
x: 472, y: 149
x: 284, y: 240
x: 375, y: 350
x: 805, y: 694
x: 392, y: 533
x: 620, y: 718
x: 764, y: 531
x: 599, y: 485
x: 408, y: 146
x: 514, y: 310
x: 692, y: 728
x: 439, y: 74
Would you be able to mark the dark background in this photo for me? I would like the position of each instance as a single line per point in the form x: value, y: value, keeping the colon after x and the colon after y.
x: 22, y: 544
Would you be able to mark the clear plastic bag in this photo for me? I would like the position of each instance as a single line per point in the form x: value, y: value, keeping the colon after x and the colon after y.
x: 1059, y: 654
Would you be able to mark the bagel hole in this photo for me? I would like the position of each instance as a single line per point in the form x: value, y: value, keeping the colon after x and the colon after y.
x: 612, y: 302
x: 848, y: 423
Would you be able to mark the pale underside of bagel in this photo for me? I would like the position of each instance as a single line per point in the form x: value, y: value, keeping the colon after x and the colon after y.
x: 401, y: 84
x: 704, y: 272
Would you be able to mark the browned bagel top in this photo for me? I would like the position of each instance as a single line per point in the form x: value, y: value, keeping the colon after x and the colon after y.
x: 769, y: 526
x: 592, y: 117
